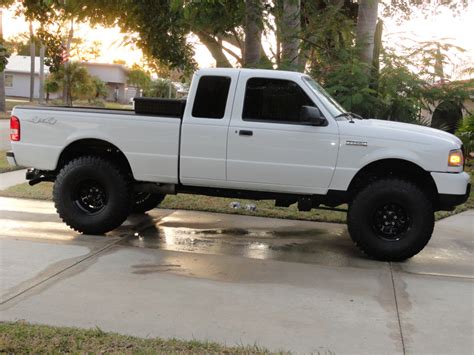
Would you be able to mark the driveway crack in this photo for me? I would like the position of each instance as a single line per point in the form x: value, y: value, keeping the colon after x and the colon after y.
x: 397, y: 308
x: 87, y: 257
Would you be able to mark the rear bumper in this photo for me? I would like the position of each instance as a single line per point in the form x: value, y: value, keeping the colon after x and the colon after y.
x: 35, y: 176
x: 11, y: 158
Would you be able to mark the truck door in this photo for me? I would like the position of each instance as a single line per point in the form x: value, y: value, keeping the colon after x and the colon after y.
x: 269, y: 148
x: 204, y: 130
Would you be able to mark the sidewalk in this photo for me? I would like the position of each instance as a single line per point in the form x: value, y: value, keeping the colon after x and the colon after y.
x: 4, y: 134
x: 12, y: 178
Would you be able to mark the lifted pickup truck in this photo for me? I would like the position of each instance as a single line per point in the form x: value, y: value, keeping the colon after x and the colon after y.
x: 256, y: 134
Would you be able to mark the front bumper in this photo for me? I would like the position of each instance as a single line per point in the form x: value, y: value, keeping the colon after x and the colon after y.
x: 448, y: 202
x: 11, y: 158
x: 451, y: 183
x: 453, y: 189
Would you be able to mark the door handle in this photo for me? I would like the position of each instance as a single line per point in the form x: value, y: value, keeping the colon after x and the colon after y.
x: 244, y: 132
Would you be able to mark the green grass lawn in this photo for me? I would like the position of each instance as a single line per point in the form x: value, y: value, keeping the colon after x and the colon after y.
x: 4, y: 166
x: 119, y: 106
x: 24, y: 338
x: 43, y: 191
x: 10, y: 103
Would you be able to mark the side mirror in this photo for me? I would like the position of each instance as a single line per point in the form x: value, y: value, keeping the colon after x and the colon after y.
x: 311, y: 114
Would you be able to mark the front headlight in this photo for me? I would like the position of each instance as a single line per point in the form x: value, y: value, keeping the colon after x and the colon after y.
x: 456, y: 158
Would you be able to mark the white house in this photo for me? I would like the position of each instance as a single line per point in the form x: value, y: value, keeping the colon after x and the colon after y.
x: 17, y: 78
x: 114, y: 76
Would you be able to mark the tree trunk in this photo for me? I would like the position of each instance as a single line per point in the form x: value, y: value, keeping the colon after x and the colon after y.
x: 253, y: 33
x: 2, y: 73
x: 366, y: 24
x: 32, y: 66
x: 376, y: 55
x: 438, y: 66
x: 290, y: 33
x: 2, y: 93
x: 215, y: 48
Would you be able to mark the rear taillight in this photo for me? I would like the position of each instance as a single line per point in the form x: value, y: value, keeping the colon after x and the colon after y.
x: 14, y: 129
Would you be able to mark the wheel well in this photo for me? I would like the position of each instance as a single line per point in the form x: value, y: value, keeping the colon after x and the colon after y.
x: 96, y: 147
x: 394, y: 168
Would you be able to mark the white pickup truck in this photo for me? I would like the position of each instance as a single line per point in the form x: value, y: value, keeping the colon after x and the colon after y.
x: 244, y: 133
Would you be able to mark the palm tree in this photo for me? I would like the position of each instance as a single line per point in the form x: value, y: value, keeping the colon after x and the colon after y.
x: 253, y: 32
x: 366, y: 24
x: 290, y: 33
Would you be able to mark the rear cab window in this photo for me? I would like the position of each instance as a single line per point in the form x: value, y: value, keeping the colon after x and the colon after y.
x: 211, y: 97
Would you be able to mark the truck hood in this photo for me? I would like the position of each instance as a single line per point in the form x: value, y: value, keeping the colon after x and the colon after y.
x: 399, y: 131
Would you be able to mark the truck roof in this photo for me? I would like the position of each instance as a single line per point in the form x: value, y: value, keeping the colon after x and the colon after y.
x: 212, y: 71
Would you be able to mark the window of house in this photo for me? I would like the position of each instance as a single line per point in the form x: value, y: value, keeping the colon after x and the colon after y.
x: 274, y: 100
x: 8, y: 80
x: 211, y: 97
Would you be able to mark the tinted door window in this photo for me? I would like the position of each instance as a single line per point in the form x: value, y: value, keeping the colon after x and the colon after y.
x: 274, y: 100
x: 211, y: 97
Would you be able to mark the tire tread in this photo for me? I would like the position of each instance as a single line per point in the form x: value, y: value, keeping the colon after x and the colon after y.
x: 122, y: 189
x: 394, y: 185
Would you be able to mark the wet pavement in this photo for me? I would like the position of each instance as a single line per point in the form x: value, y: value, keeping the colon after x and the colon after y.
x: 282, y: 284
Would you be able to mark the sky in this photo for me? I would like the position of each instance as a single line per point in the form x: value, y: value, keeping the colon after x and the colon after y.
x: 457, y: 30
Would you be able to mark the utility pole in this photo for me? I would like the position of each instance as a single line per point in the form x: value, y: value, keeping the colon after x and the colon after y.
x: 2, y: 73
x: 41, y: 75
x: 67, y: 100
x: 32, y: 67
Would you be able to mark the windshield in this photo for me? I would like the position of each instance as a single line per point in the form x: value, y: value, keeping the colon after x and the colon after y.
x: 329, y: 103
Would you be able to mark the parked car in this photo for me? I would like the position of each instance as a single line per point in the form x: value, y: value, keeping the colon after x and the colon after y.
x: 243, y: 133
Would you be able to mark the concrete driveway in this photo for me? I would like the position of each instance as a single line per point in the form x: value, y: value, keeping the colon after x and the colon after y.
x: 282, y: 284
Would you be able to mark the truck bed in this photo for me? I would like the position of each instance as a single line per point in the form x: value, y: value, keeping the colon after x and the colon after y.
x: 150, y: 142
x: 143, y: 107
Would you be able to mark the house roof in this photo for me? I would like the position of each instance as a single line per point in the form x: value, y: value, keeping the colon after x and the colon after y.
x: 109, y: 73
x: 22, y: 64
x: 105, y: 65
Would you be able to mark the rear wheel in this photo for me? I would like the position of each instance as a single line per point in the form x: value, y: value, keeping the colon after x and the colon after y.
x: 91, y: 195
x: 391, y: 219
x: 143, y: 201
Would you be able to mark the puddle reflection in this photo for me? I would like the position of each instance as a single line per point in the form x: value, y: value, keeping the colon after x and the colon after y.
x: 305, y: 245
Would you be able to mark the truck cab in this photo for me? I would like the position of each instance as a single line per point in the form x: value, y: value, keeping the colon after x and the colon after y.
x: 248, y: 132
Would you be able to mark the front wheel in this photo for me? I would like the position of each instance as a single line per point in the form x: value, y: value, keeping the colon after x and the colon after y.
x: 391, y: 220
x: 91, y: 195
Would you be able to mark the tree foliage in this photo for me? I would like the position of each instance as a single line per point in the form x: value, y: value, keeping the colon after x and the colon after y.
x: 79, y: 83
x: 160, y: 88
x: 139, y: 78
x: 319, y: 36
x: 466, y: 134
x: 4, y: 55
